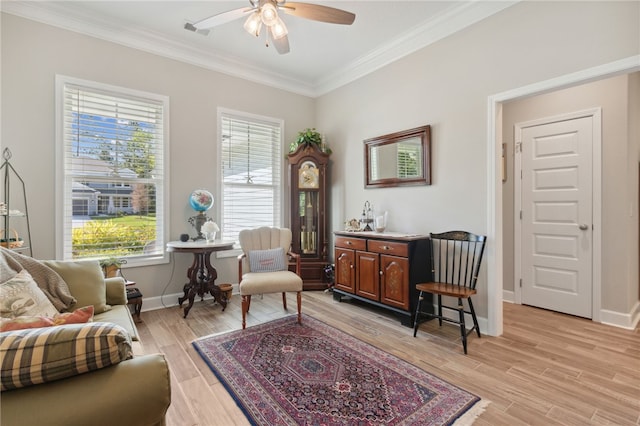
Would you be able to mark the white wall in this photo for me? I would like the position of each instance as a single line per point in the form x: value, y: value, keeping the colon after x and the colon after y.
x: 447, y: 85
x: 33, y: 53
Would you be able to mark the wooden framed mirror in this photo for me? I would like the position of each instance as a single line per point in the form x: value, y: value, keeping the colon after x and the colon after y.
x: 398, y: 159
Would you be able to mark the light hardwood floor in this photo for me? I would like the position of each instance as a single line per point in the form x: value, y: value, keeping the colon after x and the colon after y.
x: 546, y: 369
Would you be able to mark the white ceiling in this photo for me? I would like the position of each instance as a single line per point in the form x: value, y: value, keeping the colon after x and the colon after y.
x: 322, y: 57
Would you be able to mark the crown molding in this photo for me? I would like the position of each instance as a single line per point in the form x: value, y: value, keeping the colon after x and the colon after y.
x: 60, y: 15
x: 441, y: 26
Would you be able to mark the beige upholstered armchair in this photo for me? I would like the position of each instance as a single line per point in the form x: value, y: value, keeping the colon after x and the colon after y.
x: 263, y: 267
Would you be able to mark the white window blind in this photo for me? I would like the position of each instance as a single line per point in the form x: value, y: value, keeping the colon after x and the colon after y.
x: 251, y: 164
x: 111, y: 145
x: 374, y: 171
x: 408, y: 161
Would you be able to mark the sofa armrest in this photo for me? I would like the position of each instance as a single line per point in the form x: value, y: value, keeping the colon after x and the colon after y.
x: 116, y: 292
x: 133, y: 392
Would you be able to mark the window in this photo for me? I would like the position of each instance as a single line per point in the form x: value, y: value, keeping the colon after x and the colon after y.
x: 251, y: 163
x: 111, y: 145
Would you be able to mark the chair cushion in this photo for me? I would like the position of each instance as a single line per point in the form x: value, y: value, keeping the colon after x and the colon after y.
x: 271, y: 260
x: 86, y: 282
x: 269, y: 282
x: 21, y: 296
x: 40, y: 355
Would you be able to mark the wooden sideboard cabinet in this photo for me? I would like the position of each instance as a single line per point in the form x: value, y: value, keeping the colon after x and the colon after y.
x: 382, y: 269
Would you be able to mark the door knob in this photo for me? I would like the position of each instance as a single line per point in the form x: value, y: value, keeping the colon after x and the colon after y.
x: 584, y: 227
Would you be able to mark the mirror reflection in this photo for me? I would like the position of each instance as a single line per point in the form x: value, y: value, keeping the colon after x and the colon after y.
x: 398, y: 159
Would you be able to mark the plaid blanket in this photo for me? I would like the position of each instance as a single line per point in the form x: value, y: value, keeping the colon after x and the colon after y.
x: 52, y: 284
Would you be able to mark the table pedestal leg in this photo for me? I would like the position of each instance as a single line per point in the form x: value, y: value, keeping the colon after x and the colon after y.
x: 202, y: 276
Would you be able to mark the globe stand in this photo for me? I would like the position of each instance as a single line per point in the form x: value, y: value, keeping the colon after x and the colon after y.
x: 197, y: 221
x: 201, y: 201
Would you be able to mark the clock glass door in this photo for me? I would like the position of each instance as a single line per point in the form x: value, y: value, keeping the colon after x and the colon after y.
x: 308, y: 212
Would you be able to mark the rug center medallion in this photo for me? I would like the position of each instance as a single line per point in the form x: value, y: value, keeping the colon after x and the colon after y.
x: 312, y: 367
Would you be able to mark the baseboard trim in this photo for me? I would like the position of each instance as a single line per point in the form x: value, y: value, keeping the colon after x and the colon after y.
x: 509, y: 296
x: 171, y: 300
x: 624, y: 320
x: 628, y: 321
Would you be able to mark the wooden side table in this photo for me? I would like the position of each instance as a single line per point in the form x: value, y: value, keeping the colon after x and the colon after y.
x: 134, y: 298
x: 202, y: 275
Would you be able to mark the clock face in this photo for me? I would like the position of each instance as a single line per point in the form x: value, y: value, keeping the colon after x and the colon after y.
x: 308, y: 175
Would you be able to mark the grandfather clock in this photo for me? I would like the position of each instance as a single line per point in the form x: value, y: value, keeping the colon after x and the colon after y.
x: 308, y: 186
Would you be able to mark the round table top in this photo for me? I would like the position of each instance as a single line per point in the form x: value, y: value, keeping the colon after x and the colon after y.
x: 199, y: 246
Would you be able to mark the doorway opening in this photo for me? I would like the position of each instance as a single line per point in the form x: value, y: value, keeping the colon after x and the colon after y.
x: 494, y: 177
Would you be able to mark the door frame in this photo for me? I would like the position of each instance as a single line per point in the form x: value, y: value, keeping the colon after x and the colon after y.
x: 494, y: 251
x: 596, y: 179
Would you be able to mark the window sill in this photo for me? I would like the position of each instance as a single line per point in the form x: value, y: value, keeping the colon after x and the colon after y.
x: 229, y: 253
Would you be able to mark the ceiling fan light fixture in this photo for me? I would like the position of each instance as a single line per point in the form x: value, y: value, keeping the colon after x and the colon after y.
x: 253, y: 24
x: 269, y: 14
x: 279, y: 29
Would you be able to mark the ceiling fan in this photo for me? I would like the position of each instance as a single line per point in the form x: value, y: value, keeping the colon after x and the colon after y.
x: 265, y: 12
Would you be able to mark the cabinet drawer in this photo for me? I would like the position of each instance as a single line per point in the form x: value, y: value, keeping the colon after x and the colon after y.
x: 352, y: 243
x: 388, y: 247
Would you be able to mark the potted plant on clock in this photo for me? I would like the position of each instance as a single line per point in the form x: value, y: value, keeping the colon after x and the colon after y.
x: 309, y: 136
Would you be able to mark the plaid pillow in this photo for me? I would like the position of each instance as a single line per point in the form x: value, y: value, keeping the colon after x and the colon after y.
x: 40, y: 355
x: 267, y: 260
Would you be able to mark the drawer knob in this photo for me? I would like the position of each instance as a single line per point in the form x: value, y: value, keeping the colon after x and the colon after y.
x: 348, y: 243
x: 386, y: 248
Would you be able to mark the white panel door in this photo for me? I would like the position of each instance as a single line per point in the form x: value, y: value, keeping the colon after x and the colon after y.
x: 557, y: 231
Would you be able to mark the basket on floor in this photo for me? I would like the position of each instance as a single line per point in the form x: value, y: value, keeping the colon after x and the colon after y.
x: 227, y: 290
x: 14, y: 242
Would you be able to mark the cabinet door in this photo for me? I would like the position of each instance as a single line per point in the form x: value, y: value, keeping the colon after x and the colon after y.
x: 394, y: 281
x: 345, y: 270
x: 368, y: 275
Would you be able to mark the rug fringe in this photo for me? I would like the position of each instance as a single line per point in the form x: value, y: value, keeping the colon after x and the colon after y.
x: 469, y: 417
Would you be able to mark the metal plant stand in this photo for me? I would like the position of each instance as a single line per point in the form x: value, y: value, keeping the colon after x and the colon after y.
x: 13, y: 210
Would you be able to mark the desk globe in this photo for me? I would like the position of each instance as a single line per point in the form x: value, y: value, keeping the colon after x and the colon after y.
x: 200, y: 200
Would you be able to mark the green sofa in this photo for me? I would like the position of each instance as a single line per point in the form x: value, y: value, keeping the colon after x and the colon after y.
x: 134, y: 391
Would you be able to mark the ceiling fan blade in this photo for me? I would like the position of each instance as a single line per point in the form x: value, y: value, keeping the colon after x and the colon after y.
x: 281, y: 44
x: 222, y: 18
x: 317, y: 12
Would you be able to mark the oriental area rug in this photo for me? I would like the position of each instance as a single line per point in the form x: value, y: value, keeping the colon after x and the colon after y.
x: 284, y: 373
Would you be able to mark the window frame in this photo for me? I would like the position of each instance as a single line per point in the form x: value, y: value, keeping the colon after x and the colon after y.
x: 221, y: 112
x: 63, y: 218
